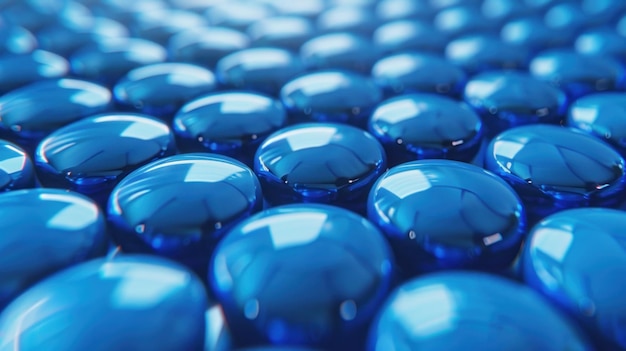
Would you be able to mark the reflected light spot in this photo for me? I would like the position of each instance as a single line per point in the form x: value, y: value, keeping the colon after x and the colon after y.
x: 553, y: 242
x: 429, y: 310
x: 77, y: 215
x: 290, y: 229
x: 406, y: 183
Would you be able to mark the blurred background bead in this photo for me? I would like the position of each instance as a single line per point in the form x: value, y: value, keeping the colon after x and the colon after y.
x: 566, y: 19
x: 237, y: 14
x: 392, y: 10
x: 16, y: 40
x: 44, y: 231
x: 125, y: 11
x: 285, y: 32
x: 20, y: 70
x: 339, y: 51
x: 502, y: 11
x: 16, y: 168
x: 305, y: 8
x: 347, y: 19
x: 409, y: 35
x: 160, y: 26
x: 601, y: 12
x: 485, y: 52
x: 533, y: 33
x: 463, y: 19
x: 32, y: 14
x: 602, y: 42
x: 205, y: 46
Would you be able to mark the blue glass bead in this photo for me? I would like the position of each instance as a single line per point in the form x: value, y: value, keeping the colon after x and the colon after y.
x: 108, y: 60
x: 509, y: 99
x: 333, y: 96
x: 601, y: 12
x: 392, y: 10
x: 484, y: 52
x: 16, y: 40
x: 463, y: 310
x: 319, y: 162
x: 533, y: 33
x: 230, y: 123
x: 574, y: 258
x: 161, y: 89
x: 555, y: 168
x: 305, y: 8
x: 285, y: 32
x: 310, y: 275
x: 128, y: 302
x: 578, y: 74
x: 44, y: 231
x: 205, y: 46
x: 601, y: 115
x: 218, y: 336
x: 92, y: 154
x: 264, y: 70
x: 502, y: 11
x: 126, y: 11
x: 32, y: 112
x: 567, y: 19
x: 180, y: 206
x: 160, y: 26
x: 418, y: 72
x: 362, y: 3
x: 442, y: 214
x: 16, y: 168
x: 603, y: 42
x: 462, y: 20
x: 20, y: 70
x: 237, y: 14
x: 409, y: 35
x: 347, y: 19
x: 439, y: 5
x: 32, y: 15
x: 339, y: 51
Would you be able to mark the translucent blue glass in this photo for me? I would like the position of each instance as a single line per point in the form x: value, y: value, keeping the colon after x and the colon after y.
x: 574, y: 258
x: 161, y: 89
x: 509, y: 99
x: 461, y: 310
x: 463, y: 19
x: 601, y: 12
x: 603, y: 42
x: 128, y: 302
x: 534, y: 33
x: 217, y: 335
x: 442, y: 214
x: 126, y: 11
x: 304, y: 8
x: 109, y: 59
x: 263, y: 70
x: 180, y: 206
x: 285, y: 32
x: 16, y: 40
x: 554, y: 168
x: 160, y: 26
x: 319, y: 162
x: 91, y: 155
x: 567, y: 18
x: 422, y: 126
x: 30, y: 14
x: 237, y: 14
x: 502, y: 11
x: 391, y: 10
x: 339, y: 51
x: 230, y: 123
x: 205, y: 46
x: 348, y: 19
x: 409, y: 35
x: 44, y: 231
x: 334, y: 96
x: 302, y: 275
x: 20, y: 70
x: 484, y: 52
x: 578, y: 74
x: 16, y: 168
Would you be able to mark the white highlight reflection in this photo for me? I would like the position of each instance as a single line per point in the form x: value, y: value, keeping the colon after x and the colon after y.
x: 290, y: 229
x: 406, y: 183
x: 399, y: 111
x: 77, y: 215
x: 553, y: 242
x: 428, y: 311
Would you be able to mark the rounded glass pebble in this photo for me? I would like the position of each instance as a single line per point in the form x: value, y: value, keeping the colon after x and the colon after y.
x: 331, y: 96
x: 441, y: 214
x: 44, y: 231
x: 604, y: 42
x: 509, y: 99
x: 16, y: 168
x: 479, y: 53
x: 391, y: 10
x: 566, y: 19
x: 205, y: 46
x: 263, y: 275
x: 161, y: 89
x: 449, y: 311
x: 554, y: 168
x: 339, y: 51
x: 230, y: 123
x: 407, y: 35
x: 161, y: 26
x: 574, y: 258
x: 20, y: 70
x: 149, y: 215
x: 16, y: 40
x: 502, y: 11
x: 459, y: 20
x: 532, y: 32
x: 319, y: 162
x: 350, y: 19
x: 285, y: 32
x: 421, y: 126
x: 237, y: 14
x: 304, y: 8
x: 127, y: 302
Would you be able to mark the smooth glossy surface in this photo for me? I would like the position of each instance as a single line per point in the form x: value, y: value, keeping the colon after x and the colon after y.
x: 285, y: 32
x: 20, y: 70
x: 16, y: 168
x: 160, y: 26
x: 127, y: 302
x: 16, y: 40
x: 339, y: 51
x: 479, y: 53
x: 533, y: 33
x: 161, y: 89
x: 44, y: 231
x: 302, y: 275
x: 462, y: 19
x: 420, y: 126
x: 553, y: 168
x: 454, y: 311
x: 237, y: 14
x: 602, y: 41
x: 389, y: 10
x: 205, y: 46
x: 350, y: 19
x: 441, y: 214
x: 406, y: 35
x: 181, y: 205
x: 574, y: 257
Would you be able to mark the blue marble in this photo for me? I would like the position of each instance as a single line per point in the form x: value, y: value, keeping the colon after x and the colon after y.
x: 509, y: 99
x: 107, y: 60
x: 343, y: 50
x: 421, y: 126
x: 603, y: 42
x: 44, y: 231
x: 463, y: 310
x: 264, y: 70
x: 392, y: 10
x: 160, y: 26
x: 309, y: 275
x: 319, y: 162
x: 237, y: 14
x: 231, y: 123
x: 414, y: 72
x: 180, y: 206
x: 16, y: 168
x: 409, y: 35
x: 463, y: 19
x: 578, y: 74
x: 442, y: 214
x: 534, y: 33
x: 285, y: 32
x: 331, y: 96
x: 486, y: 52
x: 574, y: 258
x: 16, y: 40
x: 161, y: 89
x: 91, y: 155
x: 347, y: 19
x: 205, y: 46
x: 127, y: 302
x: 554, y: 168
x: 20, y: 70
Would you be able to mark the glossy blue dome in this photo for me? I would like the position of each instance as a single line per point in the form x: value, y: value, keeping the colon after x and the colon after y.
x: 339, y: 51
x: 462, y: 19
x: 574, y: 258
x: 391, y: 10
x: 20, y: 70
x: 602, y: 41
x: 16, y: 168
x: 486, y: 52
x: 319, y: 162
x: 533, y: 33
x: 347, y: 18
x: 16, y: 40
x: 44, y: 231
x: 302, y: 275
x: 124, y: 303
x: 161, y: 25
x: 463, y: 310
x: 148, y: 213
x: 205, y: 46
x: 237, y: 14
x: 285, y: 32
x: 409, y: 35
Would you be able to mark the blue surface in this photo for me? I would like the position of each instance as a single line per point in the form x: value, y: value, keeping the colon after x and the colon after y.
x: 342, y: 50
x: 407, y: 35
x: 205, y: 46
x: 16, y: 168
x: 19, y: 70
x: 486, y: 52
x: 285, y: 32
